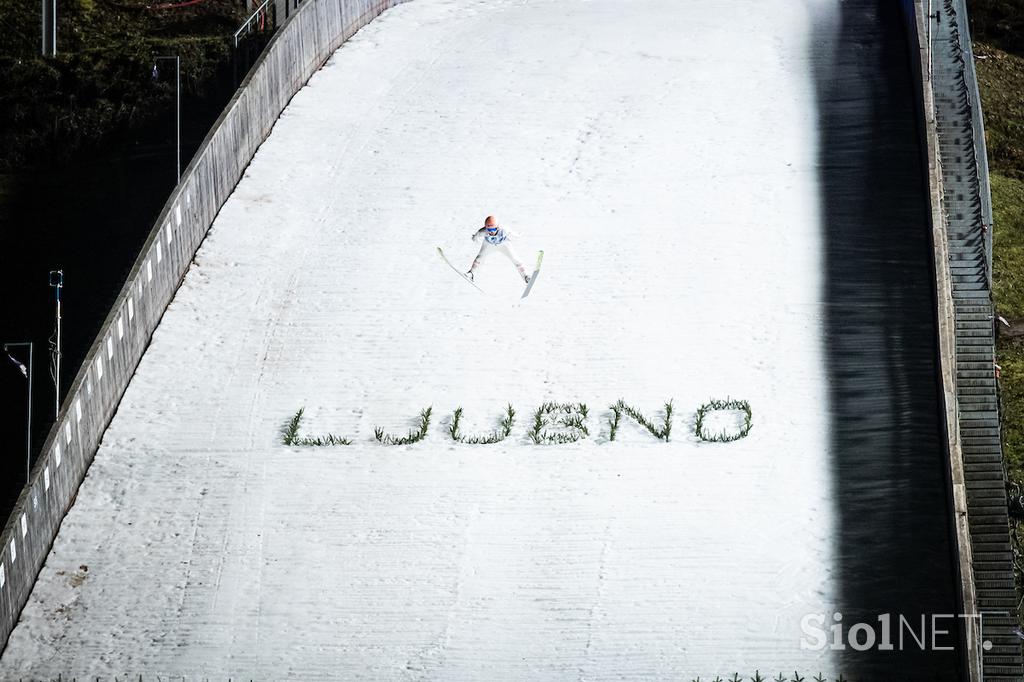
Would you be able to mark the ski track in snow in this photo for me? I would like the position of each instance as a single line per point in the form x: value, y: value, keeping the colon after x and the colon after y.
x: 663, y: 155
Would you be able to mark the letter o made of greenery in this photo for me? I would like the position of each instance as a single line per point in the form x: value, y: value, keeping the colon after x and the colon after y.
x: 715, y: 406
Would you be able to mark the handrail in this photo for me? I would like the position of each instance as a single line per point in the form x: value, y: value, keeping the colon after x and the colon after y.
x: 980, y: 149
x: 928, y: 22
x: 248, y: 22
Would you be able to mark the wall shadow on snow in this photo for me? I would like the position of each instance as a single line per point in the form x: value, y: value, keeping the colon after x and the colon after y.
x: 888, y: 465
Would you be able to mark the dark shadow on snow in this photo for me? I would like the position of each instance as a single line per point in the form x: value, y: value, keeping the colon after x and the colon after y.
x: 889, y: 468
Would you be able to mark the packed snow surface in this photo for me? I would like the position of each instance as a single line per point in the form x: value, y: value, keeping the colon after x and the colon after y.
x: 663, y: 155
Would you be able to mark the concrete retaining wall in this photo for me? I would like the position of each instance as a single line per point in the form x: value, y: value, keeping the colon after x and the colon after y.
x: 305, y: 41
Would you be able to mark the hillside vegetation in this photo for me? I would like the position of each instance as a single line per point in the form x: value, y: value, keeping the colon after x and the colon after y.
x: 1001, y: 78
x: 998, y: 30
x: 100, y: 83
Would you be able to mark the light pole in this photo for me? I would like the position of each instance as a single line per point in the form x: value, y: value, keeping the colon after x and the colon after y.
x: 49, y: 28
x: 27, y: 372
x: 57, y: 282
x: 177, y: 98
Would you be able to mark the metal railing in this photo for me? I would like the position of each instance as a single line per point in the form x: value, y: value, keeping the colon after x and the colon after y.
x: 257, y: 19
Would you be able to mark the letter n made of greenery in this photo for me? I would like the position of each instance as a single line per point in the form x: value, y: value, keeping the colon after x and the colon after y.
x: 661, y: 432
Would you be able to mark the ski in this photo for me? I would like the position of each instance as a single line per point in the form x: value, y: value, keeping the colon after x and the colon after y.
x: 533, y: 277
x: 457, y: 271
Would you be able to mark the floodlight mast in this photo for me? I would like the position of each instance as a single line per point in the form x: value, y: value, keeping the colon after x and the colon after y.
x: 57, y: 282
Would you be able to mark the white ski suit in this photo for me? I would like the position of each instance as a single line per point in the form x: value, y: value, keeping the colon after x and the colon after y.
x: 497, y: 242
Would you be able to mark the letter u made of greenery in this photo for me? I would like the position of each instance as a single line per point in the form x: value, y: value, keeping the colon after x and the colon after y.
x: 496, y: 436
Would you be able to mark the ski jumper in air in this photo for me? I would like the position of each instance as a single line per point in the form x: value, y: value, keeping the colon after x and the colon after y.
x: 496, y: 238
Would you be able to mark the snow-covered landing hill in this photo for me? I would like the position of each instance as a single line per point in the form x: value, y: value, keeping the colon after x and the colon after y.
x: 663, y: 154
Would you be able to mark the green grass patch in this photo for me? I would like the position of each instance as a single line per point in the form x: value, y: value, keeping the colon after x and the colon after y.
x: 1001, y: 83
x: 1008, y: 245
x: 1011, y: 396
x: 1000, y: 79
